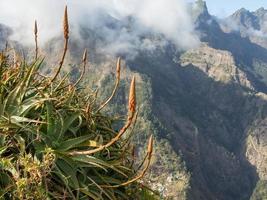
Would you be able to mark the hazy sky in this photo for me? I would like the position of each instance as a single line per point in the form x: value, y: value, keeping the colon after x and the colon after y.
x: 224, y: 8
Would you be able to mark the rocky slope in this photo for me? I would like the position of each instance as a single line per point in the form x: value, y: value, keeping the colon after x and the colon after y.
x: 207, y: 107
x: 217, y: 64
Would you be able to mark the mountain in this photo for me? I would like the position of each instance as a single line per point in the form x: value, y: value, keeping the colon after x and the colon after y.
x: 246, y: 20
x: 207, y: 106
x: 209, y: 99
x: 249, y: 24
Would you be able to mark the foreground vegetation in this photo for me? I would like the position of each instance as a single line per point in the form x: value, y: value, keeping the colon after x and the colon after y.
x: 55, y: 143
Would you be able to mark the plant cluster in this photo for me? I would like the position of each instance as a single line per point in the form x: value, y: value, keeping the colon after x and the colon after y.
x: 55, y: 143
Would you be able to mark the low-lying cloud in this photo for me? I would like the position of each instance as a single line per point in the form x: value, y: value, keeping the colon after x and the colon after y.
x: 168, y: 18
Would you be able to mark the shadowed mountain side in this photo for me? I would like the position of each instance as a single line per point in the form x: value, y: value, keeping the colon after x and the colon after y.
x: 250, y: 57
x: 207, y: 121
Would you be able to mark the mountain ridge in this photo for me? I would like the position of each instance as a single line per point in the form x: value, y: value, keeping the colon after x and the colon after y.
x: 207, y: 107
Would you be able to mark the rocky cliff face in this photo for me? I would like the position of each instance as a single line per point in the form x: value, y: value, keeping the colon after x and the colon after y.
x: 217, y: 64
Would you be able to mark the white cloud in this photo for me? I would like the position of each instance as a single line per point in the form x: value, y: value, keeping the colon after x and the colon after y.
x: 166, y: 17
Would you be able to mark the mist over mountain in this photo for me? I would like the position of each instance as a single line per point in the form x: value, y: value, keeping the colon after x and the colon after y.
x: 201, y: 82
x: 5, y: 32
x: 109, y: 20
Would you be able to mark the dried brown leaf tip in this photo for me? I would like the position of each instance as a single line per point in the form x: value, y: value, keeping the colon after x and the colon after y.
x: 132, y: 97
x: 66, y: 24
x: 35, y: 28
x: 118, y: 67
x: 85, y: 56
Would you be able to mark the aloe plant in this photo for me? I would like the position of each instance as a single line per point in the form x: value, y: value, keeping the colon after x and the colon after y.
x: 55, y: 143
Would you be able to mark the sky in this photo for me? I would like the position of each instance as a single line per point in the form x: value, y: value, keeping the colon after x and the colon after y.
x: 223, y: 8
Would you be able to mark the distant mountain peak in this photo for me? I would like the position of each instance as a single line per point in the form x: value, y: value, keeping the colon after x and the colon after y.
x: 261, y: 13
x: 246, y: 19
x: 261, y: 10
x: 242, y: 12
x: 201, y: 3
x: 200, y: 11
x: 201, y: 6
